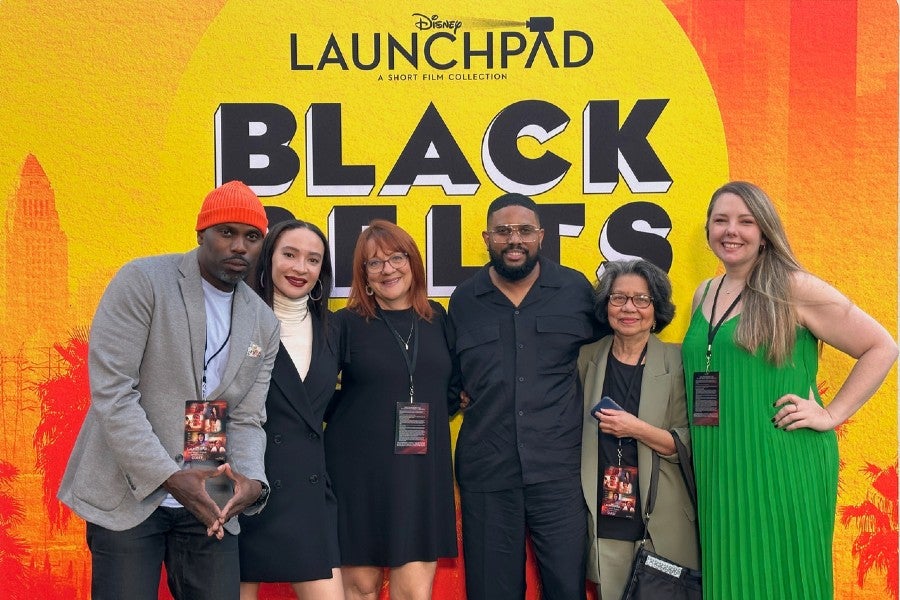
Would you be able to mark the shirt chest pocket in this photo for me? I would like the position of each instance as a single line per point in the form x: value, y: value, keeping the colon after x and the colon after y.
x: 559, y: 338
x: 486, y: 334
x: 479, y: 350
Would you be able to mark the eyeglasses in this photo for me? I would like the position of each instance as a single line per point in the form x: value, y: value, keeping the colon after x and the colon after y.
x: 639, y: 301
x: 502, y: 234
x: 398, y: 261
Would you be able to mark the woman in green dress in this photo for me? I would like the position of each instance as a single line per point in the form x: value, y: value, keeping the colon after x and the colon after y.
x: 764, y: 446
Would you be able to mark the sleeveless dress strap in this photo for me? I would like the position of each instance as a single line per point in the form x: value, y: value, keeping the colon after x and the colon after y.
x: 705, y: 291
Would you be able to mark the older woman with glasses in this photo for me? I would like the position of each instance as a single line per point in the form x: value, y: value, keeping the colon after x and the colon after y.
x: 388, y: 437
x: 634, y: 404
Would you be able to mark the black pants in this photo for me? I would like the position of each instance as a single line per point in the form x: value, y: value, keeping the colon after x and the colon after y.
x: 494, y: 526
x: 127, y: 564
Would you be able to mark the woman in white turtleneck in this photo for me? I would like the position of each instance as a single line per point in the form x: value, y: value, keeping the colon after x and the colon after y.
x: 295, y: 539
x: 296, y: 328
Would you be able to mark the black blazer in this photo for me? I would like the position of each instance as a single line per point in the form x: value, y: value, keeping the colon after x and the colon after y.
x: 286, y: 541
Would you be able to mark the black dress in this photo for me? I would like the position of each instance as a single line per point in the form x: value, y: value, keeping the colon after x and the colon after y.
x: 392, y: 508
x: 294, y: 538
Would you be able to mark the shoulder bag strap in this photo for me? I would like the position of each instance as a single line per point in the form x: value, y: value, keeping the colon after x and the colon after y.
x: 687, y: 468
x: 651, y: 492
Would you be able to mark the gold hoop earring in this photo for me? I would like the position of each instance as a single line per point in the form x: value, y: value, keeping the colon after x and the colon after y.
x: 369, y: 291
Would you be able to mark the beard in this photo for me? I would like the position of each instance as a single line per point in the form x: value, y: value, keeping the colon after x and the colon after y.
x: 512, y: 273
x: 228, y: 276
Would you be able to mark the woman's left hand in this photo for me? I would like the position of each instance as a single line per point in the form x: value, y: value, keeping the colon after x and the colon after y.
x: 796, y: 412
x: 618, y: 423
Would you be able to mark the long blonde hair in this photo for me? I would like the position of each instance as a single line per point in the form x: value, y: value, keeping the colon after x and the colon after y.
x: 769, y: 316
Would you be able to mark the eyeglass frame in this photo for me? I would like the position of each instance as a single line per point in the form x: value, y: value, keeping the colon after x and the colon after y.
x: 402, y: 259
x: 632, y: 298
x: 515, y: 229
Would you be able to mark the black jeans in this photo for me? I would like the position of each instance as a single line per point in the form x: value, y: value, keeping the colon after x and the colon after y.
x: 127, y: 564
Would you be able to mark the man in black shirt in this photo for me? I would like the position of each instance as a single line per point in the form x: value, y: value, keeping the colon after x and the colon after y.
x: 519, y: 323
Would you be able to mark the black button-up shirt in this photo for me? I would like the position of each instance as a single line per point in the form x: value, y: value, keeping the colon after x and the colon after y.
x: 518, y: 364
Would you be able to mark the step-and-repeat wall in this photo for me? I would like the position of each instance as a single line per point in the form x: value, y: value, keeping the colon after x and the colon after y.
x: 619, y: 117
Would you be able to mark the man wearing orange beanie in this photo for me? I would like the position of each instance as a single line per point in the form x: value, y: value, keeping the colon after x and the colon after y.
x: 174, y: 339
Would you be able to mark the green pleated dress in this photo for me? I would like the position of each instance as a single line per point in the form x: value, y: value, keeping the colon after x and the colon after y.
x: 766, y: 496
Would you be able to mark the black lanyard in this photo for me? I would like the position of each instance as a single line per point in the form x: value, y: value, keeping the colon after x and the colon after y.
x: 215, y: 354
x: 712, y: 331
x: 634, y: 376
x: 410, y: 360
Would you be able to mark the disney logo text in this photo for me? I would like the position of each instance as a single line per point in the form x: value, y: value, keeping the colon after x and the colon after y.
x: 425, y: 22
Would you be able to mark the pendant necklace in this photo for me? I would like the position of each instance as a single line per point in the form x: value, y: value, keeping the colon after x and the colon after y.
x: 409, y: 337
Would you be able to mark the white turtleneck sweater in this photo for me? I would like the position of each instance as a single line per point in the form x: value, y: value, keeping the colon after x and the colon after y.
x: 296, y: 329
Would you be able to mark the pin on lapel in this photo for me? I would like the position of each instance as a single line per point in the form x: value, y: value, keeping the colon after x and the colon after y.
x: 254, y: 351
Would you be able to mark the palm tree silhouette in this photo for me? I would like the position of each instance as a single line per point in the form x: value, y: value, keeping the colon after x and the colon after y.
x: 875, y: 518
x: 21, y: 578
x: 13, y: 549
x: 64, y: 402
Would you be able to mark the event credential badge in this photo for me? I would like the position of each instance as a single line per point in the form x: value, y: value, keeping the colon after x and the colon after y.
x: 411, y: 432
x: 204, y: 430
x: 619, y: 493
x: 706, y: 398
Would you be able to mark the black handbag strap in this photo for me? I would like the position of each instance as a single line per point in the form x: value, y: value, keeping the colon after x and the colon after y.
x: 654, y: 484
x: 687, y: 473
x: 687, y: 469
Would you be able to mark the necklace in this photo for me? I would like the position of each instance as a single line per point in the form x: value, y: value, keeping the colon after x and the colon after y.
x: 400, y: 339
x: 731, y: 291
x: 409, y: 337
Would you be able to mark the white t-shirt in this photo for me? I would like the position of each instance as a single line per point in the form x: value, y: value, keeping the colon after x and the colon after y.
x: 218, y: 339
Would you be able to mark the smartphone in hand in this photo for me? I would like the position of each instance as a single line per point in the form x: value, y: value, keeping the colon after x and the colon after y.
x: 607, y: 403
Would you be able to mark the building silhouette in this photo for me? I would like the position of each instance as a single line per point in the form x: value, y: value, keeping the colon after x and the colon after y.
x: 37, y: 264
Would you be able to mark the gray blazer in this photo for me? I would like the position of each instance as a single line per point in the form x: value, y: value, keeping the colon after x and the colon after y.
x: 673, y: 526
x: 146, y: 356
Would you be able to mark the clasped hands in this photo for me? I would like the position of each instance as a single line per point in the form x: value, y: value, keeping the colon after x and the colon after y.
x: 189, y: 488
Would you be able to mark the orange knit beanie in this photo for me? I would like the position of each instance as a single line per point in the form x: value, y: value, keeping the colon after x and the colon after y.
x: 232, y: 202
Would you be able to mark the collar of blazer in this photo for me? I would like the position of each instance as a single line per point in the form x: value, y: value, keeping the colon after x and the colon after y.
x: 286, y: 379
x: 654, y: 383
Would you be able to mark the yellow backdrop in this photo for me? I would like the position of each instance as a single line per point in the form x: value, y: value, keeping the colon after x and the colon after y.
x: 624, y: 115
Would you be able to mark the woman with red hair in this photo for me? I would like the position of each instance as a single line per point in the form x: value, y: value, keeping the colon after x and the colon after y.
x: 387, y: 441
